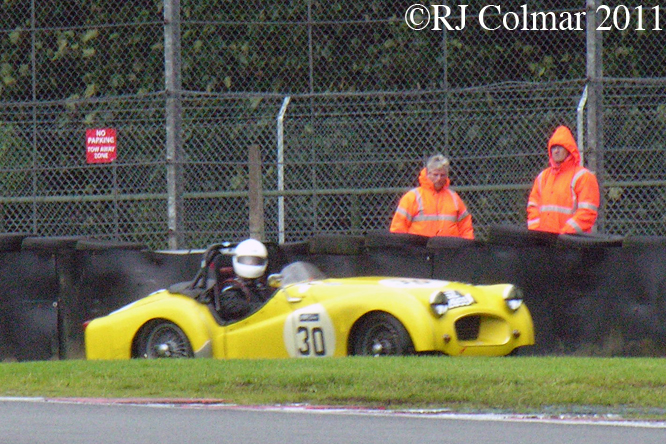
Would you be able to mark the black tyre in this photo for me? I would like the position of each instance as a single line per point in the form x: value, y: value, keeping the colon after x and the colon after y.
x: 163, y: 339
x: 449, y: 242
x: 589, y: 240
x: 519, y: 236
x: 380, y: 334
x: 103, y: 245
x: 644, y: 242
x: 384, y: 238
x: 51, y: 244
x: 12, y: 241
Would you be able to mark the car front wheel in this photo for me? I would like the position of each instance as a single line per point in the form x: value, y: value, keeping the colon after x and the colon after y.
x: 380, y: 334
x: 164, y: 339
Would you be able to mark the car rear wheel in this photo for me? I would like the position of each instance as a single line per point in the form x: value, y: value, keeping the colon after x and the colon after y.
x: 380, y: 334
x: 164, y: 339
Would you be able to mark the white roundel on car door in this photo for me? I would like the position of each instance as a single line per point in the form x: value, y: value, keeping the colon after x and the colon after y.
x: 309, y: 333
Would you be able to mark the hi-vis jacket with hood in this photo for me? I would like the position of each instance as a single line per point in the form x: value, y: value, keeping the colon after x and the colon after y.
x: 427, y: 212
x: 565, y: 197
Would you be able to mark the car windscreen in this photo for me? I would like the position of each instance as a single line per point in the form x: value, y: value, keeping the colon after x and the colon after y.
x: 300, y: 272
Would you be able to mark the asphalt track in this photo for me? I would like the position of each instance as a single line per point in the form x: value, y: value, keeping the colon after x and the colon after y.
x: 104, y: 421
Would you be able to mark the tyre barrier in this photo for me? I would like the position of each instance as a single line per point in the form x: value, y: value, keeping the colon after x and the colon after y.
x: 644, y: 242
x: 386, y: 239
x: 51, y: 244
x: 517, y: 236
x: 396, y: 254
x: 51, y: 285
x: 593, y: 294
x: 12, y: 241
x: 104, y: 245
x: 589, y: 241
x: 337, y: 255
x: 336, y: 244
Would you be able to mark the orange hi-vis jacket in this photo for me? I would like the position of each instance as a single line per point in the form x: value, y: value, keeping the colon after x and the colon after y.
x: 564, y: 198
x: 427, y: 212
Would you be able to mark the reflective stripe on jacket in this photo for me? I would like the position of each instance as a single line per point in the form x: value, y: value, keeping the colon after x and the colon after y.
x: 427, y: 212
x: 564, y: 198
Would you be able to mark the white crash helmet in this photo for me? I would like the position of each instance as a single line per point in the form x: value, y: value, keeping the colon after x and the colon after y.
x: 250, y: 259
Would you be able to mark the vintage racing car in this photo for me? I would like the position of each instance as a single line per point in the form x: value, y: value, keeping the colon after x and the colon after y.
x: 309, y: 315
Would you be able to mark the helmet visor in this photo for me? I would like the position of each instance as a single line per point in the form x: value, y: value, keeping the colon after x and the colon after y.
x: 251, y: 260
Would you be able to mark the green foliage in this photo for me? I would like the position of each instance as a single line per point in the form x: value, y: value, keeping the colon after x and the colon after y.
x: 86, y: 49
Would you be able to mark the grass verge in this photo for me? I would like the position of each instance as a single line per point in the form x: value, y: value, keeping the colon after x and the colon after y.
x: 629, y: 387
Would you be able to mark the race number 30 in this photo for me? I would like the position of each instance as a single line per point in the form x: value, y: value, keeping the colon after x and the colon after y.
x: 311, y: 341
x: 309, y: 333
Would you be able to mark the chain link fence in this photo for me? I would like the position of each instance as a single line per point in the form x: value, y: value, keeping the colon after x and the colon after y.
x: 344, y: 102
x: 635, y: 157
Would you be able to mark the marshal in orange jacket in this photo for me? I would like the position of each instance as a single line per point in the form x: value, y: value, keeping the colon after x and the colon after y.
x: 565, y: 197
x: 427, y: 212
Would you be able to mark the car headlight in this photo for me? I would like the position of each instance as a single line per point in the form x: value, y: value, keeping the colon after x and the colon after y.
x: 443, y: 301
x: 439, y: 303
x: 513, y: 297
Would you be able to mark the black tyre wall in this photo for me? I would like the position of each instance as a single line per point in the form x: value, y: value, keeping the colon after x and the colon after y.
x: 53, y: 285
x: 456, y: 259
x: 586, y: 296
x: 396, y: 254
x: 337, y: 255
x: 642, y: 270
x: 28, y: 306
x: 290, y: 252
x: 529, y: 260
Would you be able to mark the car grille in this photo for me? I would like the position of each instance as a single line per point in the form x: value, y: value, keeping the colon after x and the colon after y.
x: 467, y: 328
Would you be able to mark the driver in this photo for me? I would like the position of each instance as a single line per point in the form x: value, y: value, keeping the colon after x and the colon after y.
x: 239, y: 294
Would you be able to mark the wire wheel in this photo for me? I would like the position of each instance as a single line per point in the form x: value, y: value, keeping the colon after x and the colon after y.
x: 163, y: 339
x: 381, y: 334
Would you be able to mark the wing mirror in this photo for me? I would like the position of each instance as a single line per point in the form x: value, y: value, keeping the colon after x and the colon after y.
x: 275, y: 280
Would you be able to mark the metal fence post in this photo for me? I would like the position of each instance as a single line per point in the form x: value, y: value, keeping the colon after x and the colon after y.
x: 580, y: 125
x: 595, y: 102
x: 174, y: 141
x: 33, y: 68
x: 255, y: 191
x: 280, y: 167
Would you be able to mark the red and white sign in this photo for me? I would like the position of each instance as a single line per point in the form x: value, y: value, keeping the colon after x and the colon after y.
x: 101, y: 145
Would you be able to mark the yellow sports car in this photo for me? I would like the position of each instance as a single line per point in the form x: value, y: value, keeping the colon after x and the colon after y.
x: 308, y: 315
